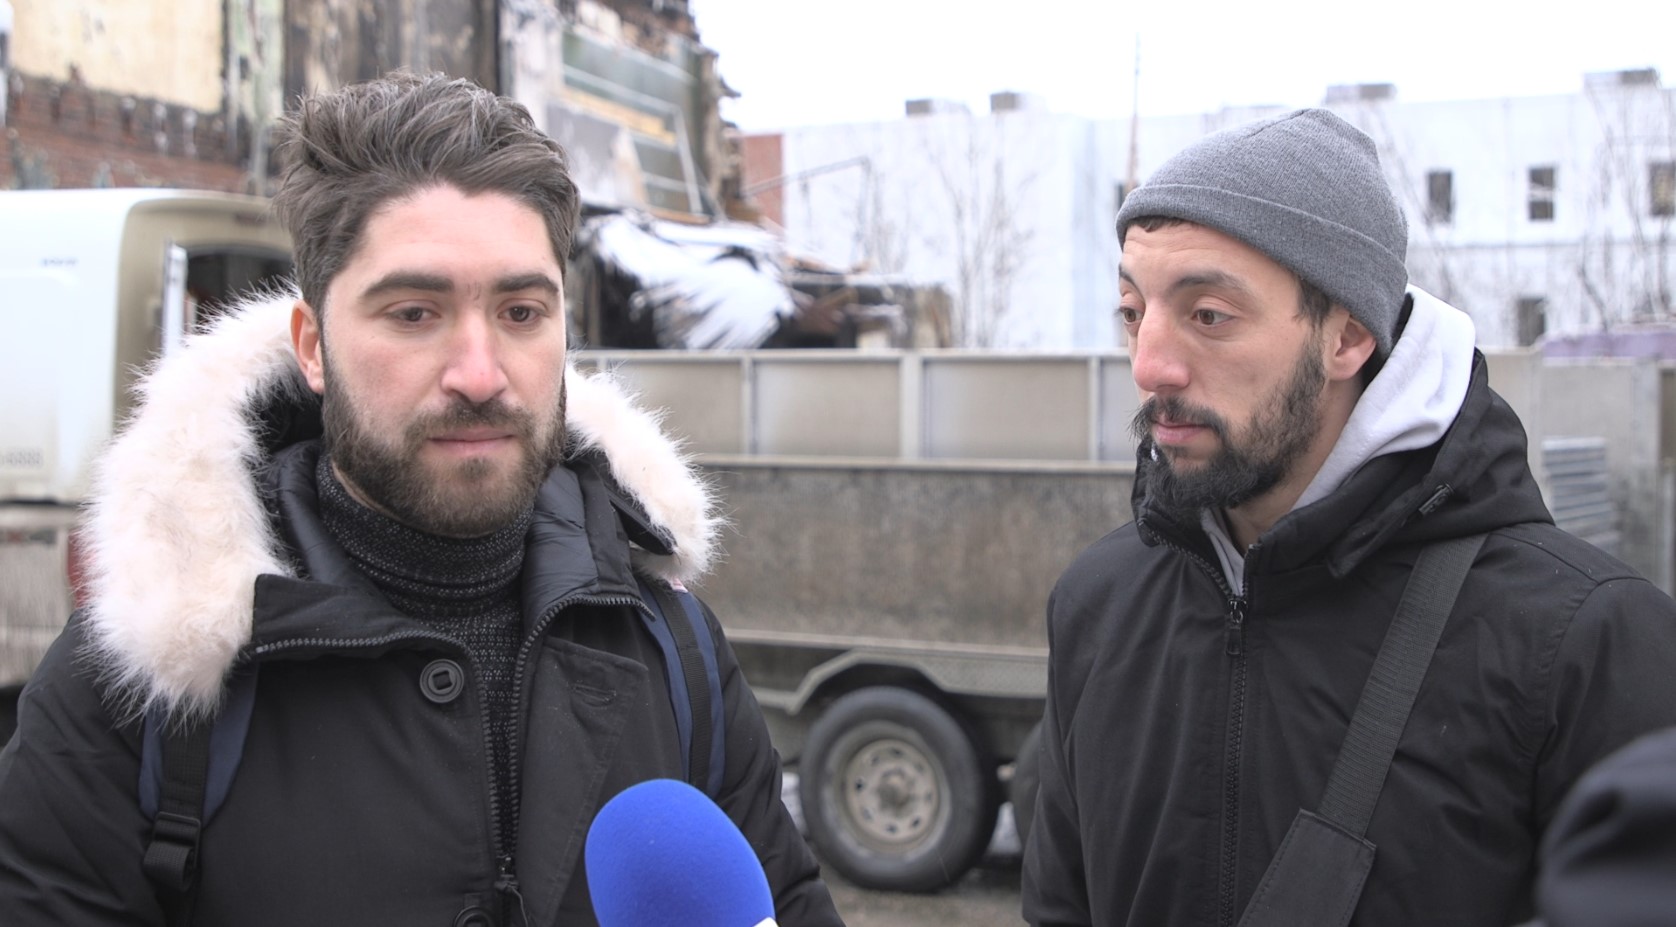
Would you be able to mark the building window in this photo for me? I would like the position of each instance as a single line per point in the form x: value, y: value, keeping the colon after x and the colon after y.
x: 1661, y: 187
x: 1440, y: 197
x: 1542, y: 194
x: 1532, y: 319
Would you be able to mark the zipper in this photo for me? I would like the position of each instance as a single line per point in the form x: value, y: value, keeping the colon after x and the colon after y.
x: 506, y: 878
x: 506, y: 882
x: 1234, y: 744
x: 1239, y: 607
x: 1232, y: 760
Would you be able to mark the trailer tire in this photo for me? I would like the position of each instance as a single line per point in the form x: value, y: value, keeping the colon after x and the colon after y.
x: 1027, y: 781
x: 896, y: 794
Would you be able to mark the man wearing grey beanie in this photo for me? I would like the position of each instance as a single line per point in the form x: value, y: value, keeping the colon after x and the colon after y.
x: 1243, y: 726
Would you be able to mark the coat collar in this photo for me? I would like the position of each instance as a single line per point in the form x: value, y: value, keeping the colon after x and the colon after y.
x: 177, y: 531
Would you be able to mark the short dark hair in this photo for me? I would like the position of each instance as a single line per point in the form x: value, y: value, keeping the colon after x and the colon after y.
x: 346, y: 153
x: 1313, y: 302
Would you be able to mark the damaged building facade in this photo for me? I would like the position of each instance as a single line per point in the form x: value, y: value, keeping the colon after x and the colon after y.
x: 192, y: 102
x: 88, y: 105
x: 115, y: 93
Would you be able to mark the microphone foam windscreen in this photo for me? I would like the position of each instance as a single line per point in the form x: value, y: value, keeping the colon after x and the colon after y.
x: 662, y: 854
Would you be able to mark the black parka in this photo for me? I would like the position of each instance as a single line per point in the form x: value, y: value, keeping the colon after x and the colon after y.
x: 1609, y: 860
x: 1187, y: 723
x: 360, y: 799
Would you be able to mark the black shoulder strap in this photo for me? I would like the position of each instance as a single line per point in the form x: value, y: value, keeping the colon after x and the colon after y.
x: 1316, y: 877
x: 690, y: 653
x: 186, y: 770
x: 171, y: 855
x: 1388, y: 696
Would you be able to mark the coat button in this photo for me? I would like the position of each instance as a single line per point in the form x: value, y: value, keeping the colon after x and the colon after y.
x: 473, y: 917
x: 441, y: 681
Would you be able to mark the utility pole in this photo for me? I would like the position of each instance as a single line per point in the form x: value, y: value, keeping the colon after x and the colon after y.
x: 1133, y: 179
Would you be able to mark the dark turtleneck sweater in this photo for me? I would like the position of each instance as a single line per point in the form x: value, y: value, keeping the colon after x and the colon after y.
x: 467, y: 588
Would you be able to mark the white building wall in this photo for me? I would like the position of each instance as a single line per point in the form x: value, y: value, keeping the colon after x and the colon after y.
x: 993, y: 206
x: 1598, y: 263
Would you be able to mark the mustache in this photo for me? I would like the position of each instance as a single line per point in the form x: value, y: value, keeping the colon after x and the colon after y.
x: 463, y: 413
x: 1176, y: 410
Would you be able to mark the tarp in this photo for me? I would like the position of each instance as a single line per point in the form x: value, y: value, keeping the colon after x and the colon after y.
x: 716, y: 286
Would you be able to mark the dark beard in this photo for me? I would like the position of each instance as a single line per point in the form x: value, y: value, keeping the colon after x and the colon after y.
x: 458, y: 504
x: 1238, y: 472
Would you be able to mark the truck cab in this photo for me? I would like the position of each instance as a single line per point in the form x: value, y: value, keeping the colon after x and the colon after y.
x: 94, y: 286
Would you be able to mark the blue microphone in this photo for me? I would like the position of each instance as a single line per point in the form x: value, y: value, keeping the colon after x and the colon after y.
x: 661, y: 854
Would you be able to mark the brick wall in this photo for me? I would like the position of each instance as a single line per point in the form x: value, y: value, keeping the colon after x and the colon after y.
x: 764, y: 161
x: 64, y: 134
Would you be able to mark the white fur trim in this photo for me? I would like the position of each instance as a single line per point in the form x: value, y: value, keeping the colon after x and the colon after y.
x: 176, y: 534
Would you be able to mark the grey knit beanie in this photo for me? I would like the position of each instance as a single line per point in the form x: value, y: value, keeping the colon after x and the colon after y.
x: 1306, y: 190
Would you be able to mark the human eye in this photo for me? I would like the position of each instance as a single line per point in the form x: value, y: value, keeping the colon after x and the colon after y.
x: 1129, y: 316
x: 1209, y: 318
x: 409, y: 315
x: 525, y: 314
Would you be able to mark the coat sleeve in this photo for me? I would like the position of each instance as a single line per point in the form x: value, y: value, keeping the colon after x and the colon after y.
x: 1055, y: 884
x: 1613, y: 679
x: 72, y: 835
x: 1610, y: 856
x: 751, y: 797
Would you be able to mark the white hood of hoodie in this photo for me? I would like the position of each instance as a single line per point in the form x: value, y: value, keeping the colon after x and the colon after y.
x: 176, y: 534
x: 1409, y: 405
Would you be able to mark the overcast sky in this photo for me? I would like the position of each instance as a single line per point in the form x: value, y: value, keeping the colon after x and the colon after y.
x: 798, y: 62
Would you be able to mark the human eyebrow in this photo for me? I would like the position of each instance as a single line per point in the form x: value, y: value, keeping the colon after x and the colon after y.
x: 1210, y: 279
x: 518, y: 283
x: 408, y: 280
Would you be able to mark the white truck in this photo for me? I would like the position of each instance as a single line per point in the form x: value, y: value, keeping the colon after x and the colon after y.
x: 94, y: 284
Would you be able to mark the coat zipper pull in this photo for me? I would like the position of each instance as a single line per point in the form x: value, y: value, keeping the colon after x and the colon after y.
x: 507, y: 884
x: 1236, y: 626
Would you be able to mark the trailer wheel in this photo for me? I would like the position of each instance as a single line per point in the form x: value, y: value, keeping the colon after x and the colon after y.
x: 1027, y: 781
x: 895, y: 794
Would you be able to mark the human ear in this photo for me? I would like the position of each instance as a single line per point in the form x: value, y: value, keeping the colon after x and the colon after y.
x: 1349, y: 345
x: 308, y: 345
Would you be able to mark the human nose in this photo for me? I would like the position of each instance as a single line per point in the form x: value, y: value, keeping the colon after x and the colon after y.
x: 474, y: 369
x: 1157, y: 357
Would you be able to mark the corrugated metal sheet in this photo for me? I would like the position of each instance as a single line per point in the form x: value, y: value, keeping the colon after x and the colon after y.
x: 1580, y: 495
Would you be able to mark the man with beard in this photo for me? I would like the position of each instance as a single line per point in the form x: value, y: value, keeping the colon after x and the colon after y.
x: 1310, y: 426
x: 364, y: 518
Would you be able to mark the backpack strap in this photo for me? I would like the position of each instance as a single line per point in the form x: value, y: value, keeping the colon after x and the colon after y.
x: 186, y: 769
x: 1316, y: 877
x: 171, y: 855
x: 677, y: 622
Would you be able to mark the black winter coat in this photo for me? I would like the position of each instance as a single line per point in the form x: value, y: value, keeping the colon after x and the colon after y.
x: 359, y: 800
x: 1187, y: 725
x: 1609, y: 860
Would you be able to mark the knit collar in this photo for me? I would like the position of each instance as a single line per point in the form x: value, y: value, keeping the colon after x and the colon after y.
x: 422, y: 574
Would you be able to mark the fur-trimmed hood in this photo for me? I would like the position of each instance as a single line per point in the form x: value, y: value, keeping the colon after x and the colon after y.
x: 176, y: 531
